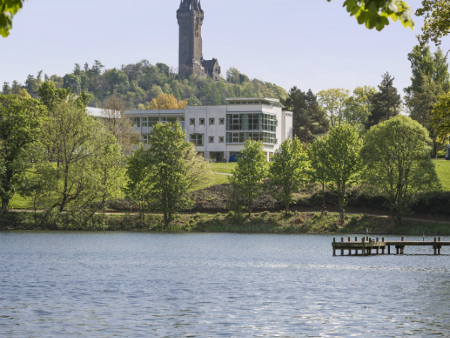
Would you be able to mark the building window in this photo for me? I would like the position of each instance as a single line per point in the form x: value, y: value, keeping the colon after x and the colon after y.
x: 172, y: 119
x: 221, y: 139
x: 192, y: 122
x: 216, y: 156
x: 197, y: 139
x: 181, y: 118
x: 241, y: 137
x: 201, y: 122
x: 252, y: 122
x: 211, y: 122
x: 136, y: 122
x: 144, y: 122
x: 211, y: 139
x: 144, y: 139
x: 153, y: 120
x: 222, y: 121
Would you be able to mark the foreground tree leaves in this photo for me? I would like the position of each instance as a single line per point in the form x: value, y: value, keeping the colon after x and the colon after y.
x: 437, y: 21
x: 376, y: 13
x: 8, y: 8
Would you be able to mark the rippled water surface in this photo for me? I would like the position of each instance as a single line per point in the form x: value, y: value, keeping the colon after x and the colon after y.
x: 215, y: 285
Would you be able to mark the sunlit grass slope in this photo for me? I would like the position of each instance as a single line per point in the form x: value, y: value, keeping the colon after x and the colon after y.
x: 443, y: 171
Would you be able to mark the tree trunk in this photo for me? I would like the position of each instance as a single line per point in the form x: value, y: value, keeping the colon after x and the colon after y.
x: 5, y: 204
x: 341, y: 203
x: 323, y: 199
x: 393, y: 213
x: 287, y: 208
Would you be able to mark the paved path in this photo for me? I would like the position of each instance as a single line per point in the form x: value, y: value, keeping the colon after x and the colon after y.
x: 224, y: 174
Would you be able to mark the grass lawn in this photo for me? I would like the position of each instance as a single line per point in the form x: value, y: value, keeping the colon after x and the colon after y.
x: 224, y: 167
x: 19, y: 202
x: 443, y: 171
x: 228, y: 167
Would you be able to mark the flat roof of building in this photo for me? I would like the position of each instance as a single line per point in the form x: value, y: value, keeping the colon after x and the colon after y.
x: 252, y: 99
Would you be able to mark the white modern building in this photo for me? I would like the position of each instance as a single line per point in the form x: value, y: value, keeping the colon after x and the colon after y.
x: 220, y: 131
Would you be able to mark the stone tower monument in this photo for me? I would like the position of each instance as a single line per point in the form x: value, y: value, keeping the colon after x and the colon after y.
x: 190, y: 20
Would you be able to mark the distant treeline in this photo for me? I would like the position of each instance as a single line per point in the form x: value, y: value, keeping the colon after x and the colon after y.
x: 137, y: 84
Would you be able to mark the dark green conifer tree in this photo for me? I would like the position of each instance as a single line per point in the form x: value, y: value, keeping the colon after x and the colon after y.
x: 386, y: 103
x: 310, y: 120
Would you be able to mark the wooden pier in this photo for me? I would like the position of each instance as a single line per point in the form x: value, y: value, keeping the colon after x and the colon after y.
x: 368, y: 246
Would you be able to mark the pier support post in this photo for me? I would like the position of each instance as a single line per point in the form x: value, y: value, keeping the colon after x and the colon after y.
x: 334, y: 248
x: 342, y: 251
x: 389, y: 249
x: 435, y: 246
x: 382, y: 249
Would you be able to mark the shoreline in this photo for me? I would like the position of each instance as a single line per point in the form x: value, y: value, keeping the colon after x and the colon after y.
x: 260, y: 222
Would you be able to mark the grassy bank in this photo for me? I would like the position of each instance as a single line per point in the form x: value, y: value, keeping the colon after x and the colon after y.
x: 264, y: 222
x: 442, y: 169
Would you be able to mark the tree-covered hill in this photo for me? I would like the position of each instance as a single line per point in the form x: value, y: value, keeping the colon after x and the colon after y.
x: 137, y: 84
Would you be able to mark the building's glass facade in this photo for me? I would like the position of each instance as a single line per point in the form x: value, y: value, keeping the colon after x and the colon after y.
x: 252, y: 122
x: 150, y: 121
x: 265, y: 124
x: 241, y: 137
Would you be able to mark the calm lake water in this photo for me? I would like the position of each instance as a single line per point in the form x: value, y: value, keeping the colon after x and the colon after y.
x: 215, y: 285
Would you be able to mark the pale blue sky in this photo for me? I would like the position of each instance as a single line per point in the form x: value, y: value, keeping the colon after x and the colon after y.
x: 309, y: 43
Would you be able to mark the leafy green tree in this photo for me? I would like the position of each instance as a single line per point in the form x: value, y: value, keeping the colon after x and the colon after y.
x: 288, y: 171
x: 441, y: 117
x: 376, y: 13
x: 51, y: 96
x: 193, y: 101
x: 397, y: 162
x: 437, y: 21
x: 432, y: 66
x: 199, y: 169
x: 334, y: 101
x: 89, y: 162
x: 430, y: 80
x: 119, y: 124
x: 309, y: 119
x: 139, y: 184
x: 318, y: 153
x: 342, y: 160
x: 421, y: 108
x: 37, y: 185
x: 386, y: 103
x: 20, y: 126
x: 249, y: 174
x: 358, y: 106
x: 164, y: 178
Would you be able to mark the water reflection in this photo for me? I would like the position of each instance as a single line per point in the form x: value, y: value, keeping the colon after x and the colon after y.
x: 215, y: 285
